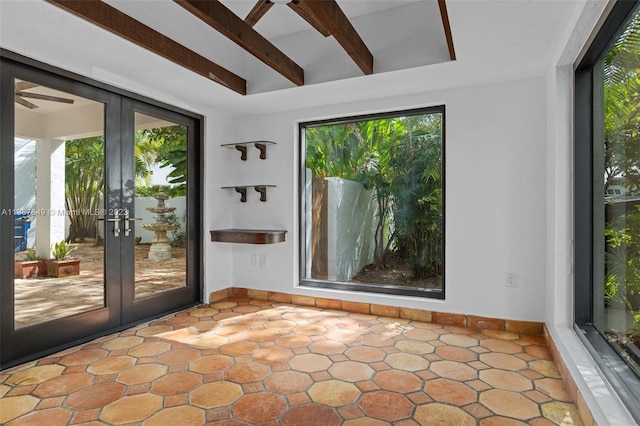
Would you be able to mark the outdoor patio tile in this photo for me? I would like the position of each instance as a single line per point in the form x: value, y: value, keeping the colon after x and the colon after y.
x: 327, y: 347
x: 554, y: 388
x: 141, y: 374
x: 562, y: 413
x: 365, y: 422
x: 546, y: 368
x: 414, y: 347
x: 122, y: 343
x: 504, y: 361
x: 460, y: 340
x: 501, y: 421
x: 149, y: 349
x: 35, y: 375
x: 504, y: 346
x: 288, y: 382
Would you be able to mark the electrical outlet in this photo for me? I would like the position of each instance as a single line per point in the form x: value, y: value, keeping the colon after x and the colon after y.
x: 253, y: 260
x: 510, y: 279
x: 263, y: 260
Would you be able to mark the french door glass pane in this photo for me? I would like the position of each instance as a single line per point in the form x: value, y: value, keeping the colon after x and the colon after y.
x: 59, y: 198
x: 160, y: 205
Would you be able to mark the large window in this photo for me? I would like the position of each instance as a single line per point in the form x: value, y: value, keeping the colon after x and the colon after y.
x: 607, y: 200
x: 373, y: 203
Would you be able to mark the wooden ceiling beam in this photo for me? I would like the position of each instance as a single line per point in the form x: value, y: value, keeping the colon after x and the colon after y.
x: 111, y: 19
x: 330, y: 16
x: 444, y: 15
x: 234, y: 28
x: 305, y: 13
x: 258, y: 11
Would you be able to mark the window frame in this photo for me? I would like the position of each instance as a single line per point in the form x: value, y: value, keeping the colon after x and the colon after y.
x: 586, y: 129
x: 367, y: 287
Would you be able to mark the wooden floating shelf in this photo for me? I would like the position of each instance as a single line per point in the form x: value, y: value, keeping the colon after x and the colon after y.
x: 248, y: 236
x: 242, y: 190
x: 242, y: 147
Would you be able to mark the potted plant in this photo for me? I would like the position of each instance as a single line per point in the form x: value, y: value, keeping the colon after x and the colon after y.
x: 29, y: 267
x: 62, y: 264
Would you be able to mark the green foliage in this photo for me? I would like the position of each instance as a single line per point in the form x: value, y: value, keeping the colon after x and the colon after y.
x: 621, y: 67
x: 31, y: 255
x: 84, y: 175
x: 400, y: 159
x: 61, y: 250
x: 167, y: 146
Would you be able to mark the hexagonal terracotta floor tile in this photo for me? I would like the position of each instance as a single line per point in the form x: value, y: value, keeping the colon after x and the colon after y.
x: 238, y: 348
x: 554, y: 388
x: 122, y: 343
x: 365, y: 354
x: 454, y: 353
x: 51, y: 416
x: 176, y: 383
x: 444, y: 415
x: 450, y: 392
x: 63, y: 385
x: 178, y: 356
x: 351, y: 371
x: 398, y: 381
x: 453, y: 370
x: 334, y: 393
x: 309, y: 362
x: 209, y: 364
x: 259, y: 407
x: 288, y: 382
x: 504, y: 346
x: 273, y: 354
x: 144, y: 373
x: 561, y: 413
x: 112, y: 364
x: 503, y: 361
x: 149, y: 349
x: 506, y: 380
x: 247, y: 372
x: 414, y: 347
x: 16, y: 406
x: 94, y: 396
x: 327, y: 347
x: 309, y: 329
x: 509, y: 404
x: 216, y: 394
x: 293, y: 341
x: 85, y: 356
x: 386, y: 406
x: 131, y: 409
x: 420, y: 334
x: 280, y: 325
x: 461, y: 340
x: 406, y: 362
x: 182, y: 415
x: 311, y: 415
x: 546, y: 368
x: 34, y: 375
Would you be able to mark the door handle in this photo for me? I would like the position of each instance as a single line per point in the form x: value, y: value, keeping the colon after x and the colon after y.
x: 116, y: 223
x: 127, y: 220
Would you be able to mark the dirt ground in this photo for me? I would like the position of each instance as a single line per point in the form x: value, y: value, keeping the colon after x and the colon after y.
x: 397, y: 273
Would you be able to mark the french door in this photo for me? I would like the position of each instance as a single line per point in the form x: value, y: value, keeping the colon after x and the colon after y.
x: 99, y: 211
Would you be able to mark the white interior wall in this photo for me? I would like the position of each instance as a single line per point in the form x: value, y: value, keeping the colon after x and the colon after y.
x: 495, y: 199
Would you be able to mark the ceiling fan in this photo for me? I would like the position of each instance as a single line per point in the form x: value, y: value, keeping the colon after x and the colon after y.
x: 20, y: 95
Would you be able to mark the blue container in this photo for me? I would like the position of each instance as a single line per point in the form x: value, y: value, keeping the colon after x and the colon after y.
x: 21, y: 227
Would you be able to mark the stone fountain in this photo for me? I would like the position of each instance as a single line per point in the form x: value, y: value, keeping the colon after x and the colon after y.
x: 160, y: 248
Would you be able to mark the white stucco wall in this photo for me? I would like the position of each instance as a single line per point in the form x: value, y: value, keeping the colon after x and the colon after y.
x: 495, y: 199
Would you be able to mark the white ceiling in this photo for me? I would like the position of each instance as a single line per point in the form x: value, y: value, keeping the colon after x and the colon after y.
x: 494, y: 40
